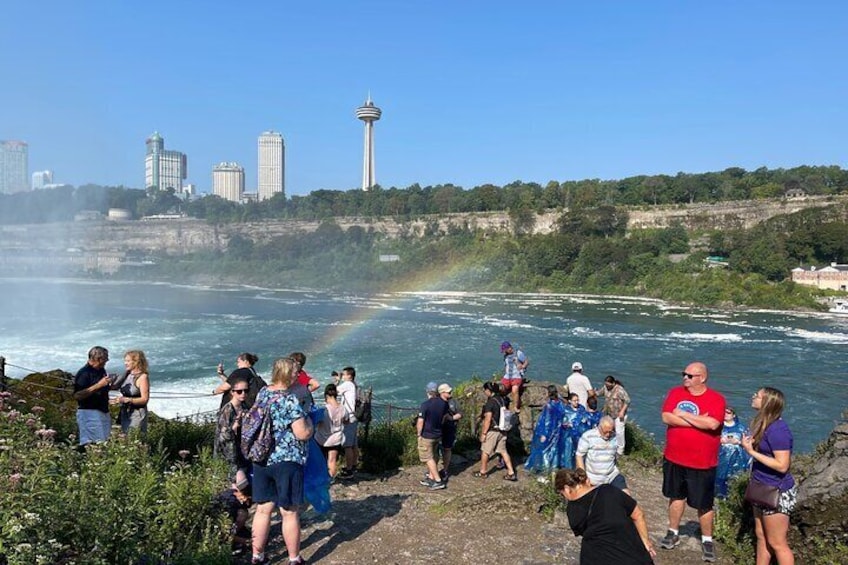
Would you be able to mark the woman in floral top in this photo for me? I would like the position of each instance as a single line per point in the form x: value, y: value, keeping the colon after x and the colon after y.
x: 280, y: 481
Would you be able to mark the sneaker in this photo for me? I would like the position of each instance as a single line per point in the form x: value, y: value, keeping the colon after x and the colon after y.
x: 260, y: 560
x: 708, y: 551
x: 299, y: 561
x: 670, y: 541
x: 426, y: 481
x: 437, y: 485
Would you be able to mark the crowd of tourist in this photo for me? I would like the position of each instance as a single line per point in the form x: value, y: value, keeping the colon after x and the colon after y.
x: 265, y: 433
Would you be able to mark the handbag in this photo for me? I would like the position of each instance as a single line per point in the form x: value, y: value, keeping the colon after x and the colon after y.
x: 762, y: 495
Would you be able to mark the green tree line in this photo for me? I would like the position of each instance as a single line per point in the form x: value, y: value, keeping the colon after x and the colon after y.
x: 520, y: 198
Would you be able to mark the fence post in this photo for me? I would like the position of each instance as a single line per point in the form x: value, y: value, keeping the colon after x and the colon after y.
x: 3, y: 385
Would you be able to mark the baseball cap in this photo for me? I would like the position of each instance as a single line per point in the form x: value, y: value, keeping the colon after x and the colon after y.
x: 577, y: 366
x: 444, y: 387
x: 432, y: 386
x: 505, y: 345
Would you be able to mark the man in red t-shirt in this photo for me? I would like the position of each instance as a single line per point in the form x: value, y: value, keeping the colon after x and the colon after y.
x: 694, y: 415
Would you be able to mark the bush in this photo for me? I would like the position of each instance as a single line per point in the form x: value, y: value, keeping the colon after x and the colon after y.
x: 734, y: 522
x: 111, y: 503
x: 389, y: 446
x: 640, y: 446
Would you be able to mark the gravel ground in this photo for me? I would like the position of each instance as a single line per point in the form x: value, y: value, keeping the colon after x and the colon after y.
x: 391, y: 519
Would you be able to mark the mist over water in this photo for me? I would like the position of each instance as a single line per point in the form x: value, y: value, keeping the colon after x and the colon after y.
x: 399, y: 342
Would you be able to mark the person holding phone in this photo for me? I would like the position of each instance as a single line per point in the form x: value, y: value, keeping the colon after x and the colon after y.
x: 770, y: 446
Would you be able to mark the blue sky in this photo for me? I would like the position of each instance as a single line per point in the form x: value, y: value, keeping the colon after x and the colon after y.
x: 472, y: 92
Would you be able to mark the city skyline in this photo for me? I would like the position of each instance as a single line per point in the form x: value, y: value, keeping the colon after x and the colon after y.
x: 554, y: 91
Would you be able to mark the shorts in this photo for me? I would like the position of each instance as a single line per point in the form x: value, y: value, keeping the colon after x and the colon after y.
x: 426, y: 449
x: 509, y: 383
x: 351, y: 432
x: 785, y: 504
x: 448, y: 437
x: 280, y: 483
x: 94, y: 425
x: 697, y: 486
x: 327, y: 449
x: 619, y: 482
x: 494, y: 442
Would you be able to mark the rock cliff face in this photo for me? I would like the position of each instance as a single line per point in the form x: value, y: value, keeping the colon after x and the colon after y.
x: 823, y: 498
x: 101, y: 244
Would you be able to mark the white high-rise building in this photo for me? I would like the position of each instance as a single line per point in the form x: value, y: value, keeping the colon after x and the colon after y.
x: 14, y: 166
x: 164, y: 169
x: 228, y: 181
x: 40, y: 179
x: 272, y: 165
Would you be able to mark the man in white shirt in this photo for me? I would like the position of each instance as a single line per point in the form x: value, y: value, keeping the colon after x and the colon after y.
x: 579, y: 384
x: 347, y: 394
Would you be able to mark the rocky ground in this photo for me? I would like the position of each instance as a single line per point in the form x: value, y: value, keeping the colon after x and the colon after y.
x: 391, y: 519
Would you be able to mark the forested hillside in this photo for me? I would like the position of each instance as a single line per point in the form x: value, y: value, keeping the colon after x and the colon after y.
x: 590, y: 249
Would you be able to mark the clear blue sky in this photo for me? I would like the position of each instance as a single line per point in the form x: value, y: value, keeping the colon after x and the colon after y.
x: 471, y: 92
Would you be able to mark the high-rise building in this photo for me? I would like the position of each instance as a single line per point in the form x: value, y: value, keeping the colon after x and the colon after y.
x: 228, y: 181
x: 163, y: 168
x: 40, y: 179
x: 272, y: 165
x: 369, y: 114
x: 14, y: 173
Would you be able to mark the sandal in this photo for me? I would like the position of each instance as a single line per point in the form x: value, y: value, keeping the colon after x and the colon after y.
x: 511, y: 477
x: 479, y: 475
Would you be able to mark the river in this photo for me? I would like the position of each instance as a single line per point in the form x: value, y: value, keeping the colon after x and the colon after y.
x: 398, y: 342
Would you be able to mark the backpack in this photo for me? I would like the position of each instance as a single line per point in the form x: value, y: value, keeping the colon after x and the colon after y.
x: 505, y: 417
x: 362, y: 405
x: 257, y: 431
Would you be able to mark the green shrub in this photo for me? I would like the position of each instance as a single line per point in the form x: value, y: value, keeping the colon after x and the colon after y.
x: 112, y: 503
x: 389, y: 446
x: 170, y: 437
x: 734, y: 522
x: 640, y: 446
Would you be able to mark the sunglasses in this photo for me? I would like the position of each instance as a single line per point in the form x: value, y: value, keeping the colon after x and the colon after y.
x: 239, y: 391
x: 689, y: 375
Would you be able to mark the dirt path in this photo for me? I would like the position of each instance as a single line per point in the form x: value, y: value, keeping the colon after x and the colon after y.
x: 393, y: 520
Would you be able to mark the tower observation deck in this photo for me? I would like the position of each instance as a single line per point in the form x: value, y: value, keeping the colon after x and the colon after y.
x: 369, y: 114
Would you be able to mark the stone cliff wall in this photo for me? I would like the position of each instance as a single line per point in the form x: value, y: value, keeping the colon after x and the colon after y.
x: 38, y: 242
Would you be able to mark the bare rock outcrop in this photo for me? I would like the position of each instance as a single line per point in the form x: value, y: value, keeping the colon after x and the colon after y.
x: 823, y: 495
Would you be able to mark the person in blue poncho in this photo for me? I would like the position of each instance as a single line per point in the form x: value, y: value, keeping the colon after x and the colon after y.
x: 550, y: 439
x: 576, y: 420
x: 732, y: 457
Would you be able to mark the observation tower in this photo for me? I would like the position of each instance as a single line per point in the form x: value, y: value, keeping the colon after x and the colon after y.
x: 369, y: 114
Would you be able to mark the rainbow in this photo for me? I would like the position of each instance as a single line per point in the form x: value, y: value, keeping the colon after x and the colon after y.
x: 427, y: 279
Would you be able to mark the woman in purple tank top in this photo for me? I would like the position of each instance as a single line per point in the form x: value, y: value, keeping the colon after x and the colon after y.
x: 770, y: 446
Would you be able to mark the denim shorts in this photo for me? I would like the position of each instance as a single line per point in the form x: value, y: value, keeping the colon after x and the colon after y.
x: 280, y: 483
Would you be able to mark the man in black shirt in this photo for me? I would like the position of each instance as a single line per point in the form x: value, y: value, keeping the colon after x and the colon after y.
x: 91, y: 391
x: 431, y: 416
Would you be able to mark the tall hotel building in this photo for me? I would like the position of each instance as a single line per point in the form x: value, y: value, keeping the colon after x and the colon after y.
x: 228, y: 181
x: 163, y: 169
x: 40, y: 179
x: 14, y: 173
x: 272, y: 165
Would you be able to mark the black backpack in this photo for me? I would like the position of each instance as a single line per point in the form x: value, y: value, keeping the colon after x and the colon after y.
x: 362, y: 405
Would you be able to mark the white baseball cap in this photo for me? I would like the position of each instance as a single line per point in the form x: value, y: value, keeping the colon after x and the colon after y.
x: 577, y: 366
